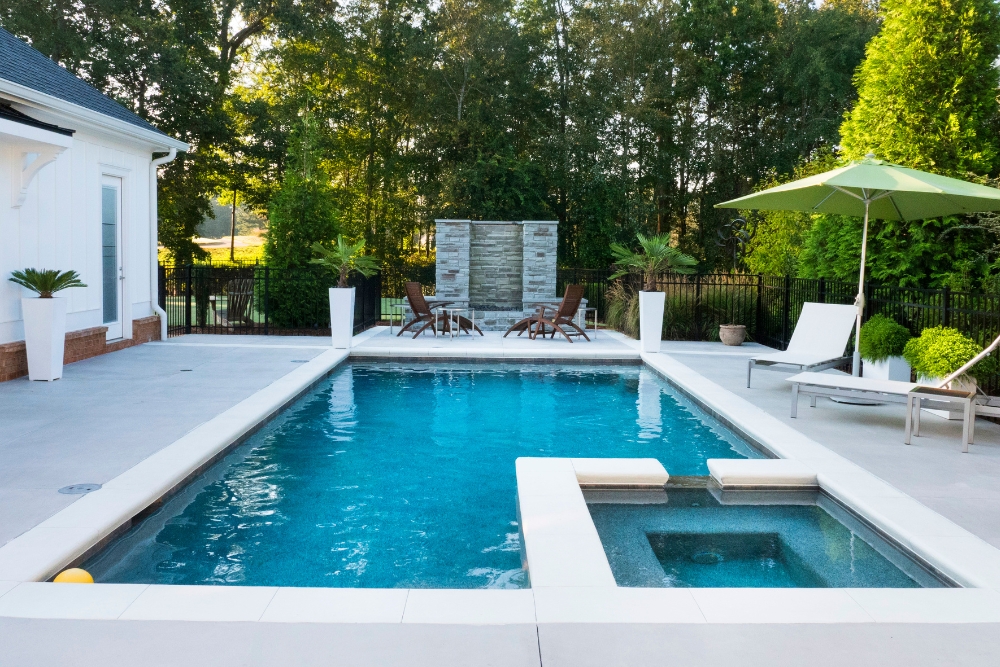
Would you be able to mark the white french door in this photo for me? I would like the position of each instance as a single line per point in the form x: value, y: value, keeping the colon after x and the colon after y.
x: 112, y: 267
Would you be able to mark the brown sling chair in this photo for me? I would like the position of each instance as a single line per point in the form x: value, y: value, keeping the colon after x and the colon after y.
x: 562, y: 317
x: 423, y: 313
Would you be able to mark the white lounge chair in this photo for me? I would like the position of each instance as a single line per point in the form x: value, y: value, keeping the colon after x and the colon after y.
x: 818, y: 342
x: 893, y: 391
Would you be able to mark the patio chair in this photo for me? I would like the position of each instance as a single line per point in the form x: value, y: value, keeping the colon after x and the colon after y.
x: 561, y: 317
x: 423, y: 313
x: 818, y: 342
x: 239, y: 301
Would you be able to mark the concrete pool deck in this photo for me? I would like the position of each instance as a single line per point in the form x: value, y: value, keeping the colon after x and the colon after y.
x: 152, y: 625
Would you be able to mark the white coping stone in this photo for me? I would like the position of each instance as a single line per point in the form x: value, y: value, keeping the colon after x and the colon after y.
x: 336, y: 605
x: 470, y: 607
x: 5, y: 586
x: 77, y: 601
x: 647, y: 472
x: 560, y: 543
x: 200, y: 603
x: 779, y: 605
x: 929, y: 605
x: 616, y: 605
x: 959, y: 554
x: 48, y: 547
x: 730, y: 473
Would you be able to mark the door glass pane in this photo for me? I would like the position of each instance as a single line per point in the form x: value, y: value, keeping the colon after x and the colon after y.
x: 109, y: 242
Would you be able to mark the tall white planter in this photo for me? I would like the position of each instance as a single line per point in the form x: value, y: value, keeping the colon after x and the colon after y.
x: 342, y: 316
x: 44, y: 336
x: 893, y: 368
x: 651, y: 320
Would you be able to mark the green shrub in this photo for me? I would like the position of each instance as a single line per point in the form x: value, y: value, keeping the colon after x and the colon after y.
x: 940, y: 351
x: 882, y: 337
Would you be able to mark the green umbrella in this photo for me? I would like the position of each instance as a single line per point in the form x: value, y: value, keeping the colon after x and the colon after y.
x: 877, y: 189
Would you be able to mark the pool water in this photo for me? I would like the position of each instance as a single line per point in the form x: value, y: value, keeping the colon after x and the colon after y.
x: 694, y: 538
x: 403, y: 476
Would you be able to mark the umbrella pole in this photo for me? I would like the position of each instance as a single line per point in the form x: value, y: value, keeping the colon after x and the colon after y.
x: 860, y: 300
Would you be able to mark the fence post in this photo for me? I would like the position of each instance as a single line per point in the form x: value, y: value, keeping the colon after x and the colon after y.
x: 759, y: 323
x: 161, y: 287
x: 697, y: 306
x: 267, y: 271
x: 946, y: 306
x: 786, y: 311
x: 869, y: 299
x: 821, y: 297
x: 187, y: 301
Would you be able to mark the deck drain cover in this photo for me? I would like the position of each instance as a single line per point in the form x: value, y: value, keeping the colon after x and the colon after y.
x: 75, y: 489
x: 707, y: 558
x: 300, y: 361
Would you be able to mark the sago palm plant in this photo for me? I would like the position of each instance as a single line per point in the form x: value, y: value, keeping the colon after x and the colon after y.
x: 344, y: 258
x: 46, y: 282
x: 656, y: 256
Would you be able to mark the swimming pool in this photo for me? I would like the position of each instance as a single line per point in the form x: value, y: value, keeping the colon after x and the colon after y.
x: 403, y: 476
x: 694, y: 538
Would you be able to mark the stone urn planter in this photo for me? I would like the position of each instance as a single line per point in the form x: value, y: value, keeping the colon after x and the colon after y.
x: 341, y: 316
x: 732, y: 334
x: 651, y: 320
x: 44, y: 337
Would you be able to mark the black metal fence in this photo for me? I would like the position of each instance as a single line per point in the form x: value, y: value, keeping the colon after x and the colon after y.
x: 769, y: 306
x: 255, y: 299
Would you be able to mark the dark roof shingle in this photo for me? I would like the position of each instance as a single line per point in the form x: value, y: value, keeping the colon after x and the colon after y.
x: 24, y: 65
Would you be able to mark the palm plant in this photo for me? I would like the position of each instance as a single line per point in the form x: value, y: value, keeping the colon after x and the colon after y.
x: 344, y: 258
x: 657, y: 256
x: 46, y: 282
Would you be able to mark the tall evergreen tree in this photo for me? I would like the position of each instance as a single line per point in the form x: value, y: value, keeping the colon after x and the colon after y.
x: 927, y: 89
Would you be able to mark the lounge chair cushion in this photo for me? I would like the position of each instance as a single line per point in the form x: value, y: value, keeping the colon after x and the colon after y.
x: 821, y: 334
x: 844, y: 381
x: 734, y: 473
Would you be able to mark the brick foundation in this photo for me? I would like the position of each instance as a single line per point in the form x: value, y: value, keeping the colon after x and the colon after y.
x: 80, y: 345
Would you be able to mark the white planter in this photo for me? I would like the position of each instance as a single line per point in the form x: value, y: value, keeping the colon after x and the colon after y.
x: 342, y: 316
x: 968, y: 385
x: 651, y: 320
x: 44, y: 336
x: 893, y: 368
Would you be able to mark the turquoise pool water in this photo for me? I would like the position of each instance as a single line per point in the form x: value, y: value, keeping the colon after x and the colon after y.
x: 392, y: 475
x: 693, y: 538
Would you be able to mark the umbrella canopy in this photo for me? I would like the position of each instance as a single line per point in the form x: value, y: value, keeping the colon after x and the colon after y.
x: 893, y: 192
x: 873, y: 188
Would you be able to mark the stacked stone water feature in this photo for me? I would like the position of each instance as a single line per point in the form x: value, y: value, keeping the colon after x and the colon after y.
x: 501, y: 269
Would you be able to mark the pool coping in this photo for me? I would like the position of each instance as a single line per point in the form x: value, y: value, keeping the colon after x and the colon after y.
x: 90, y: 522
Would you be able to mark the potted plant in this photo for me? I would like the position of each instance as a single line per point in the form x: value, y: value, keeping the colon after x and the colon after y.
x: 655, y: 257
x: 882, y: 343
x: 940, y: 351
x: 343, y: 259
x: 732, y: 334
x: 45, y: 319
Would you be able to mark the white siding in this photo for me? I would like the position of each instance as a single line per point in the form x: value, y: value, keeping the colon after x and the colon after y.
x: 59, y: 226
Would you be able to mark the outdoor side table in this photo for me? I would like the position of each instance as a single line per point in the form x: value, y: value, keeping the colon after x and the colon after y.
x: 942, y: 399
x: 453, y: 315
x: 395, y: 308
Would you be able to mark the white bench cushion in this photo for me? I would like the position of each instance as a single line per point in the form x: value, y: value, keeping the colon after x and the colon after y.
x: 730, y: 473
x: 645, y: 472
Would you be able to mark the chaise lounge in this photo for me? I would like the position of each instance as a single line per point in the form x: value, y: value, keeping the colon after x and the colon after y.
x: 423, y: 313
x: 818, y: 342
x: 562, y: 317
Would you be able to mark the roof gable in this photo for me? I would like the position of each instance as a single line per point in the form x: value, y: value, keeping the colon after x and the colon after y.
x: 22, y: 64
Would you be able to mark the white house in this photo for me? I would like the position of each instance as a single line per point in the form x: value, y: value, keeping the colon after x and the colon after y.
x: 77, y: 191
